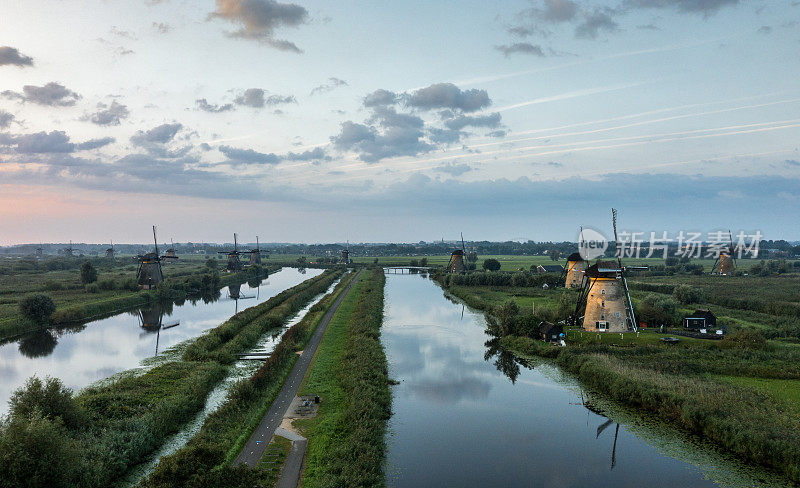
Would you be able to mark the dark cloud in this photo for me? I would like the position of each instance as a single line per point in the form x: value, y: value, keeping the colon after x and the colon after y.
x: 203, y: 105
x: 521, y: 48
x: 380, y: 97
x: 332, y: 84
x: 556, y: 11
x: 444, y: 136
x: 792, y: 163
x: 256, y: 98
x: 705, y: 7
x: 161, y: 134
x: 448, y: 95
x: 258, y: 20
x: 459, y: 122
x: 249, y: 156
x: 5, y: 119
x: 389, y: 117
x: 10, y: 56
x: 453, y: 169
x: 52, y: 94
x: 95, y: 143
x: 764, y: 29
x: 48, y: 143
x: 390, y: 141
x: 650, y: 26
x: 497, y: 133
x: 594, y: 22
x: 108, y: 114
x: 161, y: 27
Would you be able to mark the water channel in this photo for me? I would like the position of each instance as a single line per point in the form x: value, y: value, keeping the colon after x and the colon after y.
x: 83, y: 354
x: 467, y: 413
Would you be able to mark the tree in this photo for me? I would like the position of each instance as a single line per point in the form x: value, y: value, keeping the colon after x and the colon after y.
x: 211, y: 264
x: 50, y: 399
x: 554, y: 254
x: 491, y: 264
x: 88, y: 273
x: 423, y: 262
x: 472, y: 257
x: 38, y: 307
x: 687, y: 294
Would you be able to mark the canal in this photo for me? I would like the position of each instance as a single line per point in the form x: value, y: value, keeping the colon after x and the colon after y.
x: 467, y: 413
x: 81, y: 355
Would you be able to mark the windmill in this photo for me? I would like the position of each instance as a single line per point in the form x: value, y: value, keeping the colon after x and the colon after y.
x: 171, y: 253
x: 150, y: 274
x: 234, y: 264
x: 726, y: 261
x: 346, y: 254
x: 606, y: 295
x: 255, y: 254
x: 69, y: 251
x: 110, y: 253
x: 40, y: 251
x: 574, y: 273
x: 456, y: 264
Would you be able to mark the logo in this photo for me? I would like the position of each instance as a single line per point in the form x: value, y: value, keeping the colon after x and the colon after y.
x: 591, y: 244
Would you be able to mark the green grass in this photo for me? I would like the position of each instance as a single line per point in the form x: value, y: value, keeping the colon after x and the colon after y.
x: 787, y: 391
x: 274, y: 458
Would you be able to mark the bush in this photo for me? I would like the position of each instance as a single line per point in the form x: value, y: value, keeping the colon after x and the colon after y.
x: 92, y: 288
x: 39, y: 308
x: 53, y: 285
x: 49, y: 399
x: 687, y: 294
x: 491, y: 265
x: 88, y: 273
x: 107, y: 284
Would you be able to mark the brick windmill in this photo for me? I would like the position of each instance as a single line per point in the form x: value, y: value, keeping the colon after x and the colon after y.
x: 150, y: 273
x: 234, y: 263
x: 346, y: 254
x: 255, y: 254
x: 69, y: 251
x: 605, y: 292
x: 110, y: 253
x: 726, y: 261
x: 456, y: 264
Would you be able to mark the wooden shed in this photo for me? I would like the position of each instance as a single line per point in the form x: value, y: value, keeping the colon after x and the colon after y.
x: 700, y: 319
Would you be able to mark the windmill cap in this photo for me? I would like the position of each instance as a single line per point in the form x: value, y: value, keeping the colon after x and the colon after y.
x: 576, y: 256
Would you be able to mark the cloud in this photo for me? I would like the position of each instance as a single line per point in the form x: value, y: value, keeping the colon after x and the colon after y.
x: 48, y: 143
x: 453, y: 169
x: 52, y: 94
x: 448, y: 95
x: 372, y: 144
x: 108, y: 114
x: 380, y: 97
x: 764, y: 29
x: 459, y: 122
x: 594, y: 22
x: 332, y: 84
x: 497, y: 133
x: 161, y: 134
x: 792, y: 163
x: 203, y: 105
x: 248, y: 156
x: 10, y: 56
x: 258, y: 20
x: 5, y: 119
x: 255, y: 97
x: 161, y: 27
x: 556, y: 11
x: 705, y: 7
x: 521, y: 48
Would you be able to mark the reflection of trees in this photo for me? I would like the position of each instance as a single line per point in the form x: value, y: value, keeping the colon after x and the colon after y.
x: 254, y: 282
x: 505, y: 361
x: 301, y: 270
x: 211, y: 296
x: 38, y: 344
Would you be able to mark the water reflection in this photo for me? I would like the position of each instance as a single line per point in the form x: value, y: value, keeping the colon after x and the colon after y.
x: 83, y: 354
x: 467, y: 413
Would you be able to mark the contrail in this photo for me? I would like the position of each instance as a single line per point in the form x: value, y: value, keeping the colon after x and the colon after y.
x: 568, y: 95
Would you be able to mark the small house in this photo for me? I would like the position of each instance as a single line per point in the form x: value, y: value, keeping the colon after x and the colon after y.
x: 550, y: 332
x: 549, y: 268
x: 700, y: 319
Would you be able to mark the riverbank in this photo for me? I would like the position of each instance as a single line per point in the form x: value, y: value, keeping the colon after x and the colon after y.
x: 129, y: 418
x: 209, y: 454
x: 346, y: 440
x: 687, y: 385
x: 77, y: 308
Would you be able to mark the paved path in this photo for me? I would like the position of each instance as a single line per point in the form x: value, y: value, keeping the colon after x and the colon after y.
x: 262, y: 436
x: 290, y: 476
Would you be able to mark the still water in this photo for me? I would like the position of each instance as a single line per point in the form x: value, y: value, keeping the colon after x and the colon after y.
x: 466, y: 413
x: 82, y: 355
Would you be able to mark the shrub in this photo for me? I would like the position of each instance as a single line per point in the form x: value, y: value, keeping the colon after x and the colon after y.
x: 53, y: 285
x: 687, y: 294
x: 38, y: 307
x: 50, y: 399
x: 92, y: 288
x: 107, y: 284
x: 88, y: 273
x: 491, y: 265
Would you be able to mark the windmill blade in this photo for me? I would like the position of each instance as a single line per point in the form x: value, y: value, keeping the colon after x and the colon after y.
x: 257, y: 244
x: 155, y: 240
x: 235, y: 244
x: 616, y: 239
x: 462, y: 243
x: 603, y: 427
x: 732, y: 248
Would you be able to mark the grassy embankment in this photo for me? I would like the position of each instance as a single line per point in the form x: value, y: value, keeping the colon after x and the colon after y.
x: 743, y: 393
x: 346, y: 445
x: 130, y: 418
x: 114, y: 290
x: 206, y: 458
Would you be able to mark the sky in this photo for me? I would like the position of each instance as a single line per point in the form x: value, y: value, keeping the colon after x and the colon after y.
x: 314, y: 121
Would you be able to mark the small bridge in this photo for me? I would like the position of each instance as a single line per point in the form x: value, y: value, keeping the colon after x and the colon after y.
x: 406, y: 269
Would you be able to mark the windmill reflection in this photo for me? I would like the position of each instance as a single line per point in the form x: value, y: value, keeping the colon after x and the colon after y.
x: 151, y: 320
x: 235, y: 294
x: 600, y: 428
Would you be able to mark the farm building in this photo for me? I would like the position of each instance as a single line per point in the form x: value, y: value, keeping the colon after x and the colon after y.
x: 700, y: 319
x: 549, y: 268
x: 550, y: 332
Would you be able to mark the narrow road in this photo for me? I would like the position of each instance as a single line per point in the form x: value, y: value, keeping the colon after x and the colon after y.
x: 262, y: 436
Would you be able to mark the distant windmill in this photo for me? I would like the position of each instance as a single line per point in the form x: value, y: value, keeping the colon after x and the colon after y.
x: 346, y: 254
x: 234, y: 264
x: 69, y: 251
x: 171, y: 253
x: 110, y: 253
x: 456, y: 264
x: 150, y: 273
x: 255, y: 254
x: 575, y: 271
x: 726, y: 261
x: 40, y: 251
x: 606, y: 295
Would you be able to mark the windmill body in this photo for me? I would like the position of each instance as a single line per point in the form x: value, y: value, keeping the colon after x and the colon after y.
x: 346, y: 254
x: 606, y: 299
x: 726, y: 262
x: 171, y: 252
x: 576, y: 271
x: 110, y: 253
x: 150, y: 273
x: 456, y: 264
x: 234, y: 263
x: 255, y: 254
